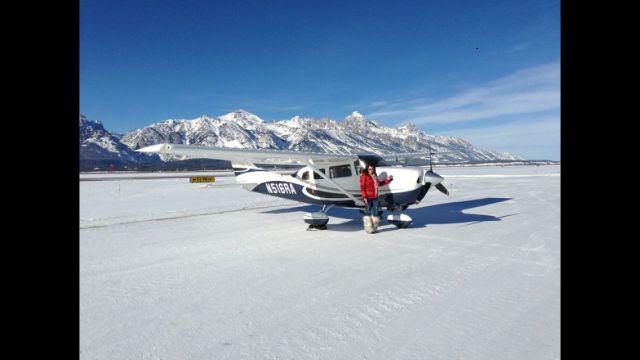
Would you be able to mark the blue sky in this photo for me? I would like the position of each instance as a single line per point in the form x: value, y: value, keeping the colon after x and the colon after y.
x: 486, y: 71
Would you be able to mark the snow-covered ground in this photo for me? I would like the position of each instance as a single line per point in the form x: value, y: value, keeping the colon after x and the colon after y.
x: 174, y: 270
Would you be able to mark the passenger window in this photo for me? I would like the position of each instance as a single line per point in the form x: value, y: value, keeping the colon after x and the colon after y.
x: 340, y: 171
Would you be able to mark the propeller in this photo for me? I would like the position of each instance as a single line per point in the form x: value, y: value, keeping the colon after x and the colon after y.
x: 432, y: 178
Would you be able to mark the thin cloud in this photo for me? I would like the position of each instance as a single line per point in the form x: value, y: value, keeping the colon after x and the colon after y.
x: 378, y: 103
x: 527, y: 91
x: 532, y: 138
x: 520, y: 47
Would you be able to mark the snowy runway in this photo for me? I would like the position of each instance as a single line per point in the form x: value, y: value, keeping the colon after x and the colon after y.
x: 173, y: 270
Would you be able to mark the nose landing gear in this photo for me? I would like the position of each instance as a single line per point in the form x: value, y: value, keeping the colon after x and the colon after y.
x: 397, y: 218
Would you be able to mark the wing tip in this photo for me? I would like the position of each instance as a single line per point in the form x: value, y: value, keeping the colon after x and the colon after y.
x: 153, y: 148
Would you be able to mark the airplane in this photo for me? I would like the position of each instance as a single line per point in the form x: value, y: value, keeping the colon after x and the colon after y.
x: 324, y: 179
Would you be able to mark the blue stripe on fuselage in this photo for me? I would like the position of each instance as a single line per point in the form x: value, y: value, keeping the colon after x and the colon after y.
x: 293, y: 191
x: 288, y: 190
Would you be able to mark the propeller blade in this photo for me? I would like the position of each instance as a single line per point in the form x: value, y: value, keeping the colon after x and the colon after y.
x: 423, y: 191
x: 442, y: 189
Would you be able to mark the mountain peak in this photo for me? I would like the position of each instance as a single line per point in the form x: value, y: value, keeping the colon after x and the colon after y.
x: 408, y: 127
x: 240, y: 115
x: 357, y: 120
x: 355, y: 117
x: 90, y: 126
x: 85, y: 120
x: 300, y: 120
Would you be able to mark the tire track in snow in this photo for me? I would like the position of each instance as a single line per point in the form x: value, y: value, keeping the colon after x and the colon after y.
x: 182, y: 216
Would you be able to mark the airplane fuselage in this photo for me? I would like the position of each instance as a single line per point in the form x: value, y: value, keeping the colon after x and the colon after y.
x: 308, y: 187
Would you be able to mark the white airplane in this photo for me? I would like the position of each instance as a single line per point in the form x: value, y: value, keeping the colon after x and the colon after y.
x: 325, y: 179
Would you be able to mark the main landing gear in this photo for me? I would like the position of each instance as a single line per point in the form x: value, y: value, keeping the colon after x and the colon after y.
x: 318, y: 220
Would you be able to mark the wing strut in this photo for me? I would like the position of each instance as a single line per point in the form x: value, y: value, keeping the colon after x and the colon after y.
x: 342, y: 190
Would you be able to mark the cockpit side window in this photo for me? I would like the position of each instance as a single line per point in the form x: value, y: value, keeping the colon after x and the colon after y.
x: 316, y: 175
x: 340, y: 171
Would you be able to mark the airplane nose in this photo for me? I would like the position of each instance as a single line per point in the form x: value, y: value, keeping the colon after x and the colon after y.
x: 433, y: 178
x: 436, y: 180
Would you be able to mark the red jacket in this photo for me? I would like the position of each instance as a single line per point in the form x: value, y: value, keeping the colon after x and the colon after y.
x: 369, y: 187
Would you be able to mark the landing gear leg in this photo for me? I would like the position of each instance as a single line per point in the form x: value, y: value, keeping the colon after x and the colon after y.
x: 318, y: 220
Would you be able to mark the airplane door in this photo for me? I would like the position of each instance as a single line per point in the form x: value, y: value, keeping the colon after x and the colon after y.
x: 346, y: 175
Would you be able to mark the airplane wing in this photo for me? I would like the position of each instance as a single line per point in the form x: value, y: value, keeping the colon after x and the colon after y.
x: 406, y: 157
x: 247, y: 156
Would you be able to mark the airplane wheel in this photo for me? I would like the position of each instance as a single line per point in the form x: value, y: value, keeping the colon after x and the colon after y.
x: 317, y: 227
x: 400, y: 220
x: 401, y: 224
x: 316, y: 219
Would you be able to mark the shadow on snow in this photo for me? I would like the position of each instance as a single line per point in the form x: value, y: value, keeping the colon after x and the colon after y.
x: 446, y: 213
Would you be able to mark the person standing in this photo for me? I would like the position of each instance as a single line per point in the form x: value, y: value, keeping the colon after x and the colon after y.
x: 369, y: 184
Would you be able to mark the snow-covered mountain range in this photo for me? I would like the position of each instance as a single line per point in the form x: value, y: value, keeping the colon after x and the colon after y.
x: 96, y: 143
x: 241, y: 129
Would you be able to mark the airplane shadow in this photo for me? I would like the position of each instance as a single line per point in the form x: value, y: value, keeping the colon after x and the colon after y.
x: 446, y: 213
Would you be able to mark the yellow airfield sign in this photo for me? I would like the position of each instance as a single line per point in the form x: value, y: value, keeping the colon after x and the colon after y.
x: 202, y: 179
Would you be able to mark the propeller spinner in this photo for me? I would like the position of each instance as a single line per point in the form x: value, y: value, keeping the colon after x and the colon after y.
x: 431, y: 178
